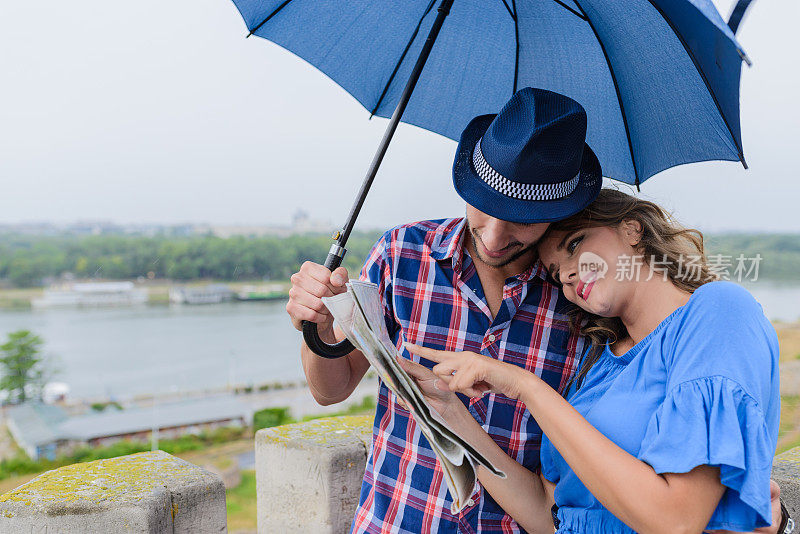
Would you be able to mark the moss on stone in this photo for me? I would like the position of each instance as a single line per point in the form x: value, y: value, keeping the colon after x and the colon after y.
x: 325, y: 432
x: 788, y: 462
x: 122, y: 479
x: 792, y: 455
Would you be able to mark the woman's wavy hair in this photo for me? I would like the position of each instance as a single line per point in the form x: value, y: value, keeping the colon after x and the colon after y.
x: 663, y: 240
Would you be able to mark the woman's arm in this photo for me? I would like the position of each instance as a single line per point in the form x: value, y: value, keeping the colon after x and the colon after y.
x: 626, y: 486
x: 522, y: 493
x: 647, y: 502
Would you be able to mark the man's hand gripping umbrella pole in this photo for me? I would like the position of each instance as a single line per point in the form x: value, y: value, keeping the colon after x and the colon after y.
x: 337, y: 251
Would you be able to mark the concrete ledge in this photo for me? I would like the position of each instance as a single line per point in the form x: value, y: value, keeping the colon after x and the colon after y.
x: 308, y: 475
x: 786, y: 472
x: 149, y: 492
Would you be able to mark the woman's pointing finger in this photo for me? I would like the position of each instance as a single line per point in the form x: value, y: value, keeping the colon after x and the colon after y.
x: 433, y: 355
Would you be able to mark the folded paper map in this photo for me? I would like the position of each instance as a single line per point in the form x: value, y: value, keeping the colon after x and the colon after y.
x: 359, y: 314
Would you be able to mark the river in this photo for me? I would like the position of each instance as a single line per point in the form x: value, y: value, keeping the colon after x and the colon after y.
x: 146, y: 349
x: 127, y: 351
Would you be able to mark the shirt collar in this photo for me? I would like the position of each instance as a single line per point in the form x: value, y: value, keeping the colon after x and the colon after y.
x: 450, y: 245
x: 536, y: 270
x: 447, y: 243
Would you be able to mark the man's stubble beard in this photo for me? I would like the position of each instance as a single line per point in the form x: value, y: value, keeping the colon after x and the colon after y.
x: 514, y: 257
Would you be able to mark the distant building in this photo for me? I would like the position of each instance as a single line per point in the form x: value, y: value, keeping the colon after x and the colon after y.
x: 302, y: 223
x: 226, y: 231
x: 45, y: 431
x: 34, y: 426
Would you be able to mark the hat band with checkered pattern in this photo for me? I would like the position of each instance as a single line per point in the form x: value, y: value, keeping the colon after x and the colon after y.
x: 518, y: 190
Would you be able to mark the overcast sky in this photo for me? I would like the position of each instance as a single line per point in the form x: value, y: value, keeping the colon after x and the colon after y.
x: 160, y: 111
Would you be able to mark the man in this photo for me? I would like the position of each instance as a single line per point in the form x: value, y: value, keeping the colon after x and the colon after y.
x: 469, y: 284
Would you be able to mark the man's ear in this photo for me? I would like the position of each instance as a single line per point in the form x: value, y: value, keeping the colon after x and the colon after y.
x: 632, y: 231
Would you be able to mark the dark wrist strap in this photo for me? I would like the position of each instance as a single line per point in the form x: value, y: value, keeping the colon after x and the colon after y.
x: 787, y: 523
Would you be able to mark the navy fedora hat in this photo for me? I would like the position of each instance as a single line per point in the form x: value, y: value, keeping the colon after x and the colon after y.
x: 529, y: 163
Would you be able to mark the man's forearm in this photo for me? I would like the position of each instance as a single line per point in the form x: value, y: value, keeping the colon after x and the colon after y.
x: 332, y: 380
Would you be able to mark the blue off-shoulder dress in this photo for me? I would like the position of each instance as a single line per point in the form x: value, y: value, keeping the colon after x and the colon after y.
x: 701, y: 389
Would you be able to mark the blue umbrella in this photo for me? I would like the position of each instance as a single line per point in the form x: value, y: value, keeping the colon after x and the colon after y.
x: 659, y: 78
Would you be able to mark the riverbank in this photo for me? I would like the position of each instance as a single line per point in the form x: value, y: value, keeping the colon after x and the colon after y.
x: 779, y: 298
x: 157, y: 291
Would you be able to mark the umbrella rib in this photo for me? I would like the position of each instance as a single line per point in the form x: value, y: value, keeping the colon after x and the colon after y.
x: 737, y: 14
x: 274, y: 12
x: 512, y: 13
x: 565, y: 6
x: 619, y: 96
x: 516, y: 53
x: 705, y: 81
x: 400, y: 61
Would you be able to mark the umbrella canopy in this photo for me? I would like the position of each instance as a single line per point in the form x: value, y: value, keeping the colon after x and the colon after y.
x: 659, y: 78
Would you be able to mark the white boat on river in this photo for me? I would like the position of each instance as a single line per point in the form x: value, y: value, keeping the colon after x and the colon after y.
x: 91, y: 294
x: 210, y: 294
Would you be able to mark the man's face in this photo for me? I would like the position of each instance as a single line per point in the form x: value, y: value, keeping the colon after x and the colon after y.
x: 499, y: 243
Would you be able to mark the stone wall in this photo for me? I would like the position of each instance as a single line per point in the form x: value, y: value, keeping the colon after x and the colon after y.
x: 308, y: 479
x: 144, y: 493
x: 308, y: 475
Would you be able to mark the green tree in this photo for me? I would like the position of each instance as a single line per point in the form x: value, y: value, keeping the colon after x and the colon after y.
x: 21, y: 365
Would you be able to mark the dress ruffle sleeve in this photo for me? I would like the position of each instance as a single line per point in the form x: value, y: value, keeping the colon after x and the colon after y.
x: 713, y: 421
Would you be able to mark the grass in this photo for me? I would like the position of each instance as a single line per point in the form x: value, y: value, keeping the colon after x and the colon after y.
x: 241, y: 503
x: 789, y: 340
x: 365, y: 407
x: 19, y: 298
x: 789, y: 429
x: 21, y: 464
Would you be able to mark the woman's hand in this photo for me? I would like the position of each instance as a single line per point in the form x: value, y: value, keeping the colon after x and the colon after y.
x: 473, y: 374
x: 521, y: 493
x: 442, y: 400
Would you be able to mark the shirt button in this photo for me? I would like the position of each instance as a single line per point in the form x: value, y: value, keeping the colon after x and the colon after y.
x: 470, y: 502
x: 492, y: 338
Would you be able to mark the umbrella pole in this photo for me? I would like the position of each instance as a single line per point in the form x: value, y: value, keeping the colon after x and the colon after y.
x: 337, y: 251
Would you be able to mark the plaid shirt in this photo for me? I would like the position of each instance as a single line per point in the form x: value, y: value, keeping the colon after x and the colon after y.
x: 432, y: 296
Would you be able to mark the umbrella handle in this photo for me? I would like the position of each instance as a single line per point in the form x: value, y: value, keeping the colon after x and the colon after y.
x: 337, y: 251
x: 310, y: 333
x: 320, y: 348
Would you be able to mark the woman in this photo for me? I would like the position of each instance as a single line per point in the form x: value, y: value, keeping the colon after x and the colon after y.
x: 671, y: 421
